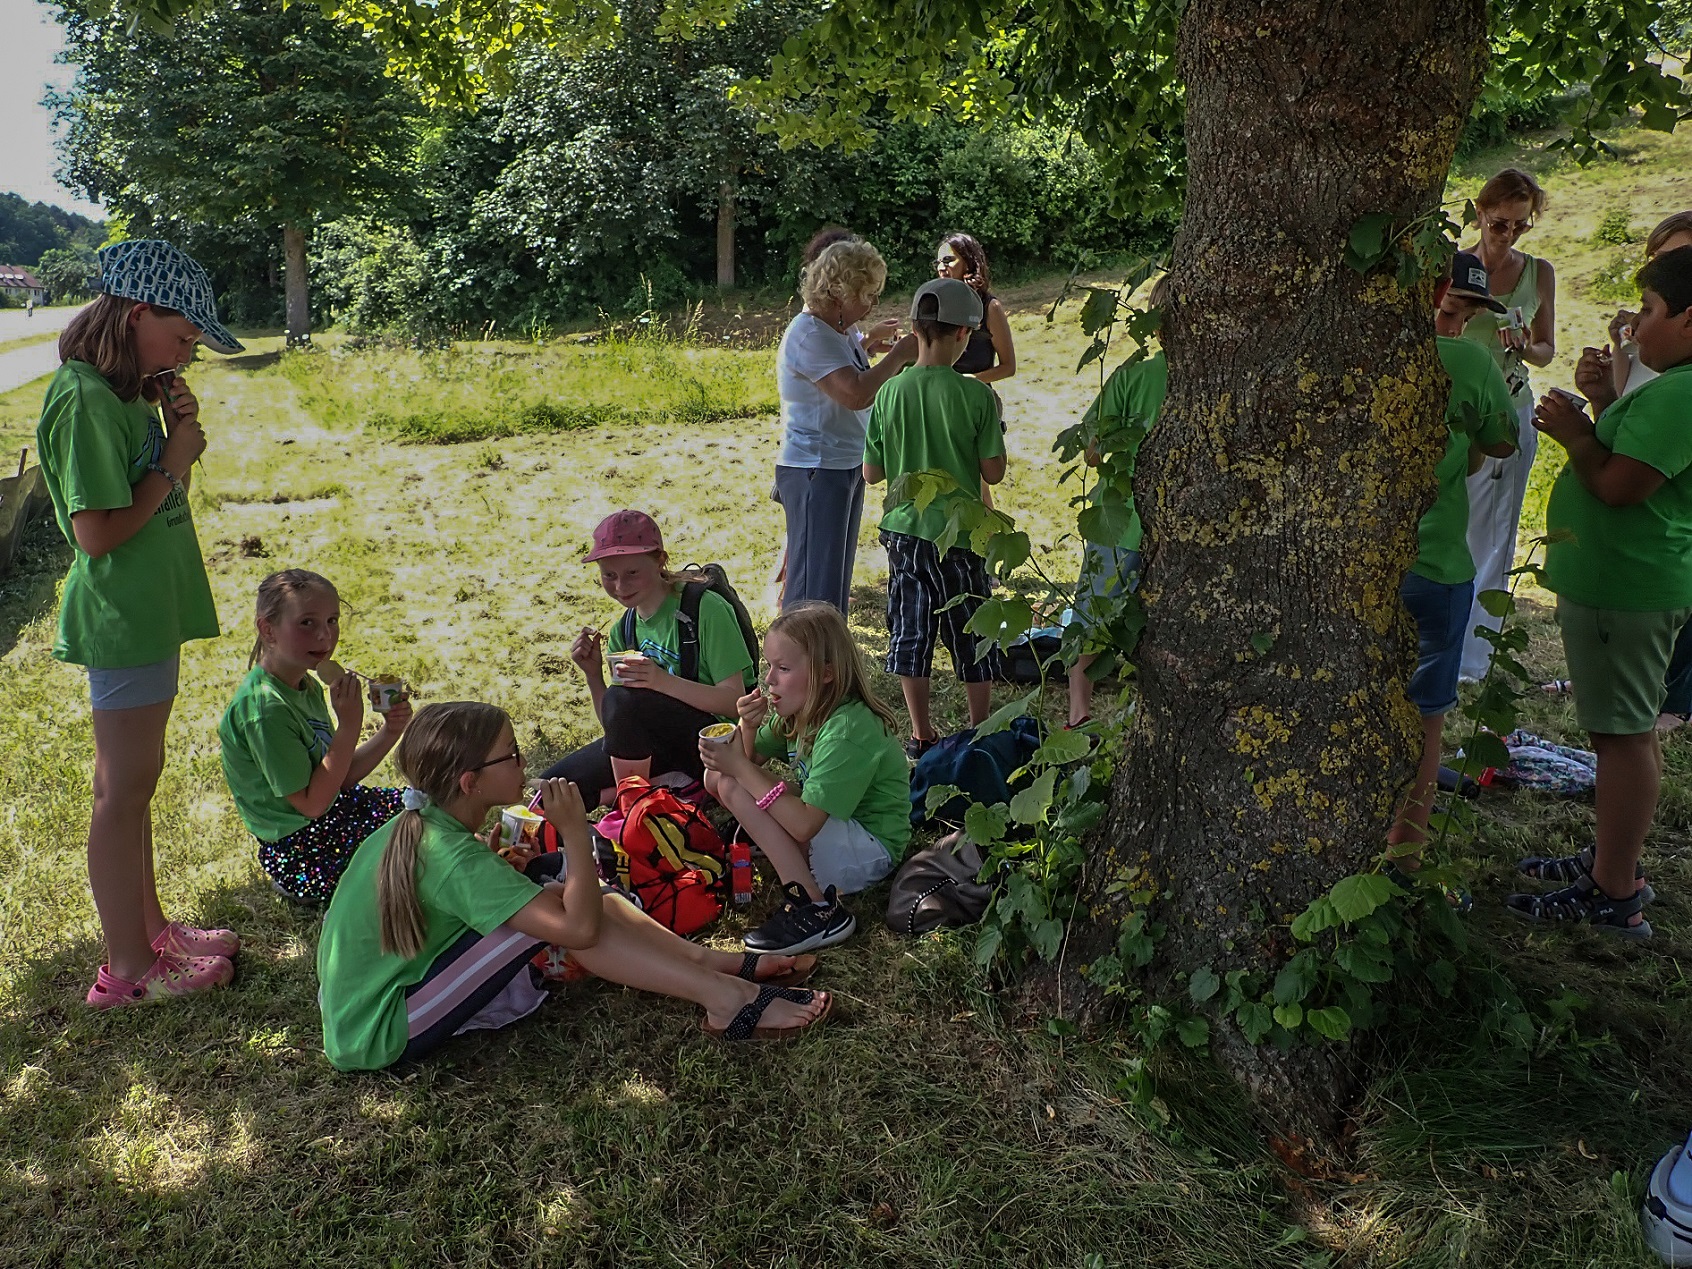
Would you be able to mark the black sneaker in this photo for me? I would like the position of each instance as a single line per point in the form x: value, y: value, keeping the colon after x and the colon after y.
x: 802, y: 925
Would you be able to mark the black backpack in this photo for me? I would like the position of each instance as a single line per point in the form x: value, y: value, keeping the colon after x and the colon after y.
x: 701, y: 578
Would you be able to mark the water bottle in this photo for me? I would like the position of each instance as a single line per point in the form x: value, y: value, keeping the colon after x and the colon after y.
x: 740, y: 870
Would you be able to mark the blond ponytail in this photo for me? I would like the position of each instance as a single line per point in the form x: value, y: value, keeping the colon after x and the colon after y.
x: 404, y: 927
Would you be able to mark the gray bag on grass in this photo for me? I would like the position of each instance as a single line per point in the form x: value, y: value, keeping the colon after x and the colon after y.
x: 937, y: 886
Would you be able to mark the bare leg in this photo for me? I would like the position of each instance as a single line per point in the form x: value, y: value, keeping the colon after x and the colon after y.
x: 1081, y: 690
x: 792, y: 861
x: 628, y: 952
x: 151, y: 910
x: 1411, y: 826
x: 128, y: 749
x: 916, y: 705
x: 980, y: 697
x: 623, y: 768
x: 663, y: 942
x: 1630, y: 772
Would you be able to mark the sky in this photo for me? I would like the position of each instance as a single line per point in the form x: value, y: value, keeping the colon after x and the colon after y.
x: 27, y: 161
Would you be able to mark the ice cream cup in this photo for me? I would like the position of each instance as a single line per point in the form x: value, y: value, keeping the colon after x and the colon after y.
x: 619, y: 660
x: 386, y: 691
x: 519, y: 826
x: 718, y: 733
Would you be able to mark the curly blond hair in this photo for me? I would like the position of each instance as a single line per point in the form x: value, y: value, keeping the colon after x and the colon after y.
x: 847, y: 270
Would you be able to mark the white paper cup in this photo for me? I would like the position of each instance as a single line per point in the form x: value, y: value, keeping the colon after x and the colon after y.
x: 619, y: 659
x: 718, y: 733
x: 386, y: 693
x: 519, y: 826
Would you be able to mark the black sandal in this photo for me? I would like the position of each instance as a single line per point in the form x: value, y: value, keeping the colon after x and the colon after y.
x: 803, y: 967
x: 1576, y: 870
x: 744, y: 1025
x: 1582, y: 905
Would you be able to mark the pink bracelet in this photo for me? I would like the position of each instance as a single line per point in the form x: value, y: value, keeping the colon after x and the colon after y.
x: 768, y: 800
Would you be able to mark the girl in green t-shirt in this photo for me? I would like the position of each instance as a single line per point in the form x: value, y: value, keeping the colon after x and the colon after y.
x: 431, y: 933
x: 850, y: 822
x: 653, y: 708
x: 118, y: 438
x: 294, y: 775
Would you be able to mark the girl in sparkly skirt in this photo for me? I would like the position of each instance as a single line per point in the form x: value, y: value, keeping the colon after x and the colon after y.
x: 294, y: 774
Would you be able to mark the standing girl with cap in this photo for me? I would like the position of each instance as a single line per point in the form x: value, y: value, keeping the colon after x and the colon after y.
x: 651, y: 712
x: 118, y: 436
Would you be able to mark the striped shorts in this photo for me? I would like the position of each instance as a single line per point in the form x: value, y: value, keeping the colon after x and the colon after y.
x: 919, y: 583
x: 480, y: 983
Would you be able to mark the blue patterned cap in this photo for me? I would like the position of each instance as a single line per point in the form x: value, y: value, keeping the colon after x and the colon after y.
x: 154, y: 272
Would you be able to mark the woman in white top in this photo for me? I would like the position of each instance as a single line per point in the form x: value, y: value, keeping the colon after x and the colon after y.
x: 826, y: 384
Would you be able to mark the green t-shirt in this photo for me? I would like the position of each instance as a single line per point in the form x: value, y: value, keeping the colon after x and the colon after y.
x: 930, y: 418
x: 1476, y: 385
x: 140, y: 602
x: 855, y: 769
x: 1638, y: 558
x: 462, y: 886
x: 1132, y: 393
x: 272, y: 739
x: 722, y: 650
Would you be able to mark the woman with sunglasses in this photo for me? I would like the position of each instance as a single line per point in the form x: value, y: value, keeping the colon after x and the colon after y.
x: 1523, y: 335
x: 990, y: 354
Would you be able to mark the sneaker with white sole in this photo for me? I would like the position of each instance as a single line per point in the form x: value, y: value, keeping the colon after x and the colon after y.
x: 802, y: 924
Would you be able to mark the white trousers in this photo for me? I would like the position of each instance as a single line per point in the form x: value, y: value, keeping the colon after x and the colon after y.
x: 1495, y: 506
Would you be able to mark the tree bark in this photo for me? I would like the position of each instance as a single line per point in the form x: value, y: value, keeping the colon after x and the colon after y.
x: 725, y: 235
x: 296, y: 288
x: 1281, y: 490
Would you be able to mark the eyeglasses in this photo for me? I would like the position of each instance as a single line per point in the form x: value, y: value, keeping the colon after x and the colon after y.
x: 944, y: 262
x: 1500, y: 225
x: 516, y: 755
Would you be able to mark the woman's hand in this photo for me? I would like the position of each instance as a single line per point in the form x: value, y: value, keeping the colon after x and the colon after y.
x: 881, y: 336
x: 561, y: 806
x: 588, y: 651
x: 641, y: 671
x: 753, y: 709
x: 346, y: 698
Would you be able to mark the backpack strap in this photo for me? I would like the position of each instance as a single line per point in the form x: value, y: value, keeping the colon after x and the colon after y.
x: 628, y: 630
x: 687, y: 628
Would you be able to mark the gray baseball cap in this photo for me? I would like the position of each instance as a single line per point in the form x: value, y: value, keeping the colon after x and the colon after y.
x: 955, y: 303
x: 155, y: 272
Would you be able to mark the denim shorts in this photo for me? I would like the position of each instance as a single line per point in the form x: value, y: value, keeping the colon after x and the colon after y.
x: 1107, y: 573
x: 846, y: 855
x: 1442, y: 620
x: 134, y: 686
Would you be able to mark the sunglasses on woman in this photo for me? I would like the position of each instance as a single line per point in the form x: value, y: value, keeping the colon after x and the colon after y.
x: 944, y: 262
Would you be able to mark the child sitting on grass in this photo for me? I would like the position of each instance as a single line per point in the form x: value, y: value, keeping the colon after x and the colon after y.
x: 431, y: 933
x: 1439, y: 589
x: 294, y: 775
x: 1622, y: 573
x: 848, y: 824
x: 932, y: 418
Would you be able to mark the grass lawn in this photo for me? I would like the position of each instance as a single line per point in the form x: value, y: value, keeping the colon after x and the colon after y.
x: 931, y: 1125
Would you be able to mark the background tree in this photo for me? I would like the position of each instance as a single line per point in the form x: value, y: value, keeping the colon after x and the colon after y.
x: 254, y: 115
x: 70, y: 273
x: 28, y: 229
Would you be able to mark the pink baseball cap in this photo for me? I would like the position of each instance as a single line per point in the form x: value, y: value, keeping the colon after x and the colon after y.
x: 625, y: 533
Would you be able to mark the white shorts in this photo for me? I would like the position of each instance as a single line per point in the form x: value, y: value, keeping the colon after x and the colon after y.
x: 847, y: 856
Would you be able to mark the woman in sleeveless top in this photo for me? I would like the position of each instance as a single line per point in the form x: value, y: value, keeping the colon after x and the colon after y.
x: 1523, y: 335
x: 991, y: 353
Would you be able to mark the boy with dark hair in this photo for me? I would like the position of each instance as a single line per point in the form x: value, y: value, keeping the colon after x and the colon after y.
x: 932, y: 418
x: 1620, y: 563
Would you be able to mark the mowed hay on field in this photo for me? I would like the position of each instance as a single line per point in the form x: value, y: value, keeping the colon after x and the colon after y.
x: 923, y: 1127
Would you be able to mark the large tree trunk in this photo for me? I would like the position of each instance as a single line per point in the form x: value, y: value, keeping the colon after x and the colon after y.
x: 725, y: 235
x: 1281, y: 490
x: 295, y: 286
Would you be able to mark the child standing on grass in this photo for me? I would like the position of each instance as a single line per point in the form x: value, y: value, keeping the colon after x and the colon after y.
x: 848, y: 823
x: 931, y: 417
x: 652, y: 711
x: 1622, y: 573
x: 430, y: 932
x: 137, y: 588
x: 1439, y: 589
x: 294, y: 775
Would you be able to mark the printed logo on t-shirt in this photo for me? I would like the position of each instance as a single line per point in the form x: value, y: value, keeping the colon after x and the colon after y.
x: 654, y: 651
x: 801, y: 768
x: 321, y: 734
x: 152, y: 448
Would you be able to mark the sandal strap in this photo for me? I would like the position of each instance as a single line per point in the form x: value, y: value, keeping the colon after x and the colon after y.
x: 1582, y: 903
x: 749, y: 966
x: 746, y: 1021
x: 796, y: 995
x: 1567, y: 869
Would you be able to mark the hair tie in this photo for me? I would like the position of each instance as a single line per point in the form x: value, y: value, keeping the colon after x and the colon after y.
x: 414, y: 799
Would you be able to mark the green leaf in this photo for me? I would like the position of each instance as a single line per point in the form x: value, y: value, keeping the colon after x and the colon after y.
x: 986, y: 824
x: 1063, y: 746
x: 1261, y: 643
x: 1007, y: 552
x: 1296, y: 978
x: 987, y: 944
x: 1001, y: 620
x: 1105, y: 521
x: 1332, y: 1022
x: 1194, y: 1032
x: 1203, y: 984
x: 1098, y: 311
x: 938, y: 796
x: 1255, y: 1021
x: 1002, y: 717
x: 1289, y: 1015
x: 1497, y: 603
x: 1486, y: 750
x: 1356, y: 897
x: 1319, y: 916
x: 1030, y: 805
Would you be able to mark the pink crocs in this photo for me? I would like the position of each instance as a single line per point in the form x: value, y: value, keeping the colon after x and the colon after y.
x: 186, y: 940
x: 169, y: 976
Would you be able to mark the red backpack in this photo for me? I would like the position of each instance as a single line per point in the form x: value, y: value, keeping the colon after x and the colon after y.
x: 669, y: 855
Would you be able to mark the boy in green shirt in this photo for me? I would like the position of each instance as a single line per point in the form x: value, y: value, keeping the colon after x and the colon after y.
x: 932, y: 418
x: 1620, y: 562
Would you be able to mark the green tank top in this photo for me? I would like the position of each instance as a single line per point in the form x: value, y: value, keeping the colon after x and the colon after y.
x: 1484, y: 326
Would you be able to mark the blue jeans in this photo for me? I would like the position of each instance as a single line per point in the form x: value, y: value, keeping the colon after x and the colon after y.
x: 824, y: 507
x: 1442, y: 620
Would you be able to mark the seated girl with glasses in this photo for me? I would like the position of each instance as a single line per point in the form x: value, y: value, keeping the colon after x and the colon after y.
x: 431, y: 933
